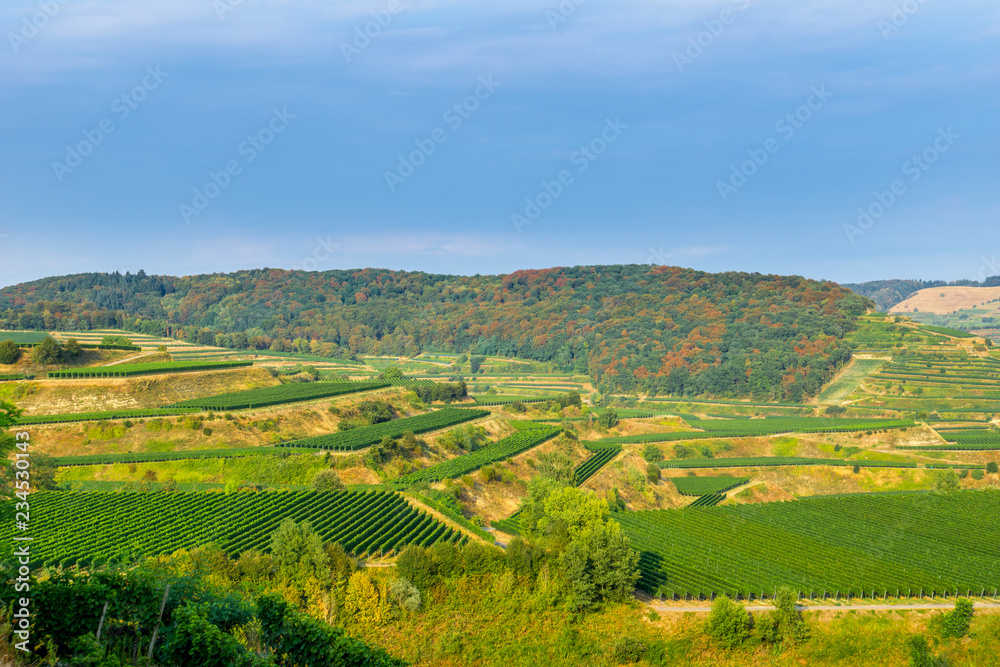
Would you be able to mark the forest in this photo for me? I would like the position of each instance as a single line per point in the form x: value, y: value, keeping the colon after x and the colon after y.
x: 633, y: 328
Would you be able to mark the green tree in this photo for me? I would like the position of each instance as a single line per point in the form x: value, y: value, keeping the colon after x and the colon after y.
x: 729, y: 623
x: 297, y: 551
x: 46, y: 352
x: 475, y: 362
x: 9, y: 352
x: 948, y: 481
x: 72, y: 348
x: 651, y: 452
x: 391, y: 374
x: 327, y: 480
x: 992, y: 467
x: 607, y: 418
x: 956, y: 622
x: 653, y: 472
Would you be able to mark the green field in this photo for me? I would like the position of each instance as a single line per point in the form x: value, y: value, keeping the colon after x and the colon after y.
x: 24, y: 337
x: 90, y: 528
x: 139, y: 413
x: 771, y: 461
x: 869, y: 545
x: 181, y: 454
x: 842, y: 387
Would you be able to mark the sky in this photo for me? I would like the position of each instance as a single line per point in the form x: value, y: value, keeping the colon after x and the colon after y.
x: 848, y: 140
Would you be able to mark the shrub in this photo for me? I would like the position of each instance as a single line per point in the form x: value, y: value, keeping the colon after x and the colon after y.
x: 653, y: 472
x: 920, y: 654
x: 629, y: 650
x: 992, y: 467
x: 956, y: 622
x: 728, y: 623
x: 978, y: 474
x: 207, y: 431
x: 652, y: 453
x: 327, y: 480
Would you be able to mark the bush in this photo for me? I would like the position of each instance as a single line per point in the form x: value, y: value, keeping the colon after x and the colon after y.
x: 653, y: 472
x: 46, y: 352
x: 729, y: 623
x: 652, y: 453
x: 921, y: 656
x: 207, y: 431
x: 629, y: 650
x: 992, y: 467
x: 327, y: 480
x: 978, y: 474
x: 956, y: 622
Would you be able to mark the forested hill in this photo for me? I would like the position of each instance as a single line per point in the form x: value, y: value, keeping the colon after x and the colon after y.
x: 657, y: 329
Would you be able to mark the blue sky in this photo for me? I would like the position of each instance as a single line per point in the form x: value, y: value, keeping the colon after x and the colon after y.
x: 585, y: 132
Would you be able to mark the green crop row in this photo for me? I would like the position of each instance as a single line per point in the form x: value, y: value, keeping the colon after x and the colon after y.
x: 149, y: 457
x: 707, y: 500
x: 510, y: 446
x: 603, y: 454
x: 94, y: 528
x: 278, y: 395
x: 129, y: 370
x: 732, y: 428
x: 870, y: 545
x: 358, y: 438
x: 139, y: 413
x: 700, y: 486
x: 457, y: 517
x: 13, y: 376
x: 488, y: 401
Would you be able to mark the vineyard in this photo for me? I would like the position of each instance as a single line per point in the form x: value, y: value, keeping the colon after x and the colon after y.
x: 92, y: 528
x: 865, y: 545
x: 602, y: 456
x: 176, y: 455
x: 738, y: 428
x: 498, y: 400
x: 770, y: 461
x: 107, y: 414
x: 12, y: 376
x: 130, y: 370
x: 700, y: 486
x: 510, y: 446
x: 708, y: 500
x: 357, y: 438
x: 277, y: 395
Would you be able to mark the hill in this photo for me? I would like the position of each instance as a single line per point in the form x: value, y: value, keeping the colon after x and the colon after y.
x: 888, y: 293
x: 632, y: 328
x: 945, y: 300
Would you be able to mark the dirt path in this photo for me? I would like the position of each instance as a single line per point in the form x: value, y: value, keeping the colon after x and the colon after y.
x: 441, y: 517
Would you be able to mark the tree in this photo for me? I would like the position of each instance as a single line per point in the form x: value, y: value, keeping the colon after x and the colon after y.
x: 327, y: 480
x: 46, y: 352
x: 948, y: 481
x: 9, y: 352
x: 391, y: 374
x: 297, y: 551
x: 72, y: 348
x: 475, y: 363
x: 728, y: 623
x: 785, y: 624
x: 992, y: 467
x: 653, y: 472
x: 651, y: 452
x: 608, y: 418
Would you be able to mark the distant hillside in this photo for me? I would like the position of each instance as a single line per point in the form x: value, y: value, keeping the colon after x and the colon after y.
x: 946, y: 300
x: 888, y: 293
x: 652, y: 329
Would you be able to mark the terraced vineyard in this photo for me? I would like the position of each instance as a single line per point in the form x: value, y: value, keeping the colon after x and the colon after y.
x: 91, y: 528
x: 510, y: 446
x: 357, y: 438
x: 865, y: 545
x: 139, y: 413
x: 12, y: 376
x: 700, y: 486
x: 848, y: 381
x: 735, y: 428
x: 708, y: 500
x: 602, y: 456
x: 278, y: 395
x: 499, y: 399
x: 176, y: 455
x: 769, y: 461
x: 130, y: 370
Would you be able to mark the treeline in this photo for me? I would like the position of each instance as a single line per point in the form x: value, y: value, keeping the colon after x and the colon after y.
x: 659, y: 330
